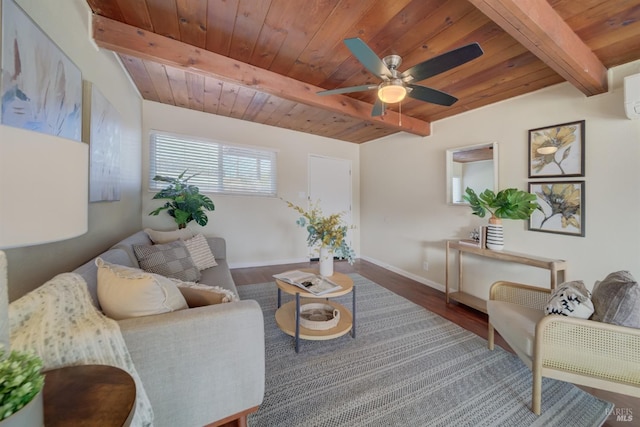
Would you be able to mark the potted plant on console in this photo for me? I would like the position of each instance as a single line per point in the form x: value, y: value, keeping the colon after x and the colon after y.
x: 185, y: 203
x: 510, y: 203
x: 327, y: 231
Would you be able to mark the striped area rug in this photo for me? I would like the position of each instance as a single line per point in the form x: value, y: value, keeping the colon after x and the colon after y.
x: 406, y: 367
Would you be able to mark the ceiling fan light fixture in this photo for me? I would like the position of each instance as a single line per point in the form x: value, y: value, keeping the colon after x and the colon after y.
x: 391, y: 92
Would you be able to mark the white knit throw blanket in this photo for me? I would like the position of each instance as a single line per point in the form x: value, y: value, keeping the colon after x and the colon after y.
x: 59, y: 322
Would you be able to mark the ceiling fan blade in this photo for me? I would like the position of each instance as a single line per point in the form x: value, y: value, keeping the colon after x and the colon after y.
x: 434, y: 96
x: 367, y: 57
x: 442, y: 63
x: 378, y: 108
x: 347, y: 89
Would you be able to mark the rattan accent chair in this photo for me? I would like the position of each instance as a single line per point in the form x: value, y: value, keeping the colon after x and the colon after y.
x: 585, y: 352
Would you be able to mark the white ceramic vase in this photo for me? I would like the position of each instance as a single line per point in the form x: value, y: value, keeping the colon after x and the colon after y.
x: 32, y: 414
x: 495, y: 235
x: 326, y: 261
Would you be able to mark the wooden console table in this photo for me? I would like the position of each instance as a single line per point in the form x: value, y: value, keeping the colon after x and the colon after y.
x: 556, y: 268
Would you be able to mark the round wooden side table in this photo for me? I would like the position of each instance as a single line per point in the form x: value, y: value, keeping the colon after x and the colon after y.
x: 88, y: 396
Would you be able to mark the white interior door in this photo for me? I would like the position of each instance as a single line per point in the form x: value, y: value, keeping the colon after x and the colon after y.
x: 330, y: 186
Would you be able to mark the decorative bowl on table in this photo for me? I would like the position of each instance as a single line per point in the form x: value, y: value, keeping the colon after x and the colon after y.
x: 319, y: 316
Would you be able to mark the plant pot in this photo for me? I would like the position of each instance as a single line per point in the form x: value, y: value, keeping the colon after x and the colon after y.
x: 31, y: 415
x: 495, y: 234
x: 326, y: 261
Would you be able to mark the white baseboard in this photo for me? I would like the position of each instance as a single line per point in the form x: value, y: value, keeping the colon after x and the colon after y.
x: 384, y: 265
x: 401, y: 272
x: 267, y: 263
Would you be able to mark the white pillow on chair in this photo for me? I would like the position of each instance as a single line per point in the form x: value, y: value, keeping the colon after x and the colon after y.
x: 570, y: 299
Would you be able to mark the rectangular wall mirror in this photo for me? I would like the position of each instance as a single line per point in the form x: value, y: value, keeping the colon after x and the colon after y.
x: 474, y: 166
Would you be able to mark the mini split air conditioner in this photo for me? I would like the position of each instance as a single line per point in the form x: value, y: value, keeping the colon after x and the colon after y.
x: 632, y: 96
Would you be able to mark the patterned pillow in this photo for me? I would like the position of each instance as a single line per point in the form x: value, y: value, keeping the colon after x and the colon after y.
x: 617, y: 300
x: 170, y: 260
x: 570, y: 299
x: 200, y: 252
x: 161, y: 237
x: 198, y: 295
x: 126, y: 292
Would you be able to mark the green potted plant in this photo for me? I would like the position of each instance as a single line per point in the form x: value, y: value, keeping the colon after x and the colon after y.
x: 186, y: 203
x: 510, y: 203
x: 21, y: 382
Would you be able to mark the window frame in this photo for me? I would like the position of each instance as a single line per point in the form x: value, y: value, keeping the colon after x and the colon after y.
x: 217, y: 179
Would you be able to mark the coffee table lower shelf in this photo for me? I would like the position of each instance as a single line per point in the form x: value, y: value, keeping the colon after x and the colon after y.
x: 286, y: 320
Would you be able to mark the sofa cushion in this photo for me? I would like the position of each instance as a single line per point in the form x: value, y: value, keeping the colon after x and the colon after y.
x: 570, y: 299
x: 198, y: 295
x: 160, y: 237
x: 126, y: 292
x: 200, y: 252
x: 170, y: 260
x: 219, y: 276
x: 616, y: 300
x: 516, y: 324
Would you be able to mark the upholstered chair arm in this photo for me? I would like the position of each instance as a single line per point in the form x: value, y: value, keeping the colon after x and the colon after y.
x: 212, y: 356
x: 517, y: 293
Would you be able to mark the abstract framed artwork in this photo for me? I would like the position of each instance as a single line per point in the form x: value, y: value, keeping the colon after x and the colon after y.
x: 557, y: 151
x: 104, y: 135
x: 561, y: 207
x: 41, y: 89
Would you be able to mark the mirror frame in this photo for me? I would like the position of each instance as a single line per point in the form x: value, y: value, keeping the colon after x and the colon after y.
x: 449, y: 167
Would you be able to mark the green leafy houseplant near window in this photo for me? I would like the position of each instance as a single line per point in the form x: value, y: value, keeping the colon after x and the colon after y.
x: 510, y: 203
x: 21, y: 380
x: 186, y: 203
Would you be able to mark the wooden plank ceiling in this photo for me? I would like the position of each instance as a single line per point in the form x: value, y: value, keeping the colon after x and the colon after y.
x: 263, y: 60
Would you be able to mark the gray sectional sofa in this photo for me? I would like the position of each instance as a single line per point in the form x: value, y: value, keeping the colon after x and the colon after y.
x: 200, y: 365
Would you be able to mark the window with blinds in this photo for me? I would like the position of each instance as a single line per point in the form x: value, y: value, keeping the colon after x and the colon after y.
x: 220, y: 168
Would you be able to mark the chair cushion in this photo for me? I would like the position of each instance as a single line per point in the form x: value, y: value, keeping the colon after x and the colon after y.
x: 170, y: 260
x: 570, y: 299
x: 516, y: 324
x: 617, y: 300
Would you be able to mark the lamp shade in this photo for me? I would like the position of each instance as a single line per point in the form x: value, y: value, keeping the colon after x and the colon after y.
x: 45, y: 187
x: 391, y: 92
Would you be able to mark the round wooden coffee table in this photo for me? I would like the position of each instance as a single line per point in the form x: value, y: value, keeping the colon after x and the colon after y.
x: 288, y: 315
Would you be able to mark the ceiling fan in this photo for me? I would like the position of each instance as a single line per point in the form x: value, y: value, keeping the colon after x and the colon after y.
x: 395, y: 85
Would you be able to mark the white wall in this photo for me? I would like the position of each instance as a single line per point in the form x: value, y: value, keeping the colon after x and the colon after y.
x: 405, y: 219
x: 66, y: 23
x: 258, y: 230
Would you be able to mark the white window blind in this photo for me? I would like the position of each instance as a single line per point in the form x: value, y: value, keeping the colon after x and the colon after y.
x: 221, y: 168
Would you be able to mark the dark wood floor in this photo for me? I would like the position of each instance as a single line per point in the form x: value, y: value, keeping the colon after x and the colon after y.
x: 434, y: 301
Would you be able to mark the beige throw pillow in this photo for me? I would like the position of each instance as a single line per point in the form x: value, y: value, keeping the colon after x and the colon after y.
x: 200, y: 252
x: 160, y: 237
x: 198, y: 295
x: 126, y: 292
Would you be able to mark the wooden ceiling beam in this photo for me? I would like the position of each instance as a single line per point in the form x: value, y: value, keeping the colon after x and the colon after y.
x: 139, y: 43
x: 537, y: 26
